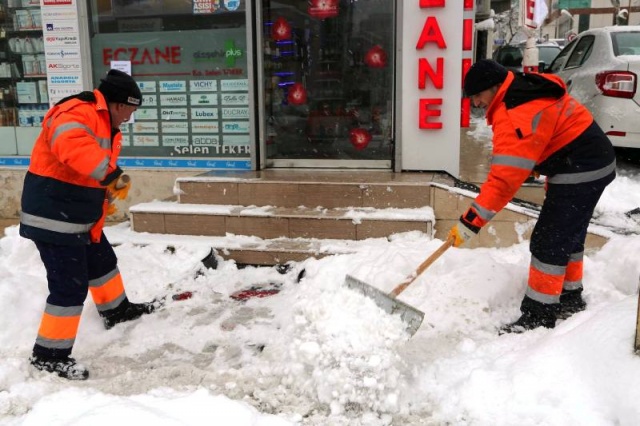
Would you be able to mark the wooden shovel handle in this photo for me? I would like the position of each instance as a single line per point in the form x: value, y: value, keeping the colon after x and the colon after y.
x: 636, y: 346
x: 424, y: 265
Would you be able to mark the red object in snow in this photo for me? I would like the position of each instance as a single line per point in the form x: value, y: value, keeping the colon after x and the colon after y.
x: 376, y: 57
x: 252, y: 293
x: 297, y: 94
x: 281, y: 30
x: 182, y: 296
x: 323, y: 9
x: 359, y: 138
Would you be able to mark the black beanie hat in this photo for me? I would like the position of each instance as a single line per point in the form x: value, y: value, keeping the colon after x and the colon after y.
x: 482, y: 75
x: 118, y: 86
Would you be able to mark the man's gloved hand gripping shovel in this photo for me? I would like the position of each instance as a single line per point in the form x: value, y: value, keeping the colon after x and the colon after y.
x: 411, y: 316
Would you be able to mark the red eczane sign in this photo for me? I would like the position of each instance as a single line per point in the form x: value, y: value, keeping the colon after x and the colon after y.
x: 430, y: 109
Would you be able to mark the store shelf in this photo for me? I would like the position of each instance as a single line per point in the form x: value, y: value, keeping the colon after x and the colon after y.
x: 23, y: 97
x: 23, y: 30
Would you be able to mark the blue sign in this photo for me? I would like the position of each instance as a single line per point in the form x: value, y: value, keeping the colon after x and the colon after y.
x: 154, y: 163
x: 14, y: 161
x: 170, y: 163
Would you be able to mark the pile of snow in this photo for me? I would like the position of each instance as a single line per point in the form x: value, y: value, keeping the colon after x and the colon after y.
x: 317, y: 353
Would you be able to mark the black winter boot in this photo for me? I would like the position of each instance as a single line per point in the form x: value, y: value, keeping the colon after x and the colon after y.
x: 534, y: 314
x: 571, y: 302
x: 126, y: 311
x: 63, y: 367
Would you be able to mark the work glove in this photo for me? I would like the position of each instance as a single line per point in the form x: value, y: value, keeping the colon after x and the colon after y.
x: 462, y: 232
x: 112, y: 176
x: 119, y: 188
x: 111, y: 209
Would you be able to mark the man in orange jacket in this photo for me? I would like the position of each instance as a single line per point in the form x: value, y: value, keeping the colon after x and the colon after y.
x: 539, y: 128
x: 71, y: 179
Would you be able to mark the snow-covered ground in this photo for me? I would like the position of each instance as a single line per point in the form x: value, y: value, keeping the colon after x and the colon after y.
x: 319, y: 354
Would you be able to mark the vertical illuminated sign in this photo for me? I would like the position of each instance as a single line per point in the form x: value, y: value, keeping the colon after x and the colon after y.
x: 432, y: 72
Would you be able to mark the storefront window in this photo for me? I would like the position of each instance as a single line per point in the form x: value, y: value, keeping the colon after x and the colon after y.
x: 23, y: 83
x: 328, y: 78
x: 190, y: 60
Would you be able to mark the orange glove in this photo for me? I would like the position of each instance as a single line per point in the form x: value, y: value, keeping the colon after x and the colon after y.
x: 119, y: 188
x: 462, y: 232
x: 459, y: 234
x: 111, y: 209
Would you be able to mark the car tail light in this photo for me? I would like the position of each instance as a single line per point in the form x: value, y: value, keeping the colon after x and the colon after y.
x: 618, y: 84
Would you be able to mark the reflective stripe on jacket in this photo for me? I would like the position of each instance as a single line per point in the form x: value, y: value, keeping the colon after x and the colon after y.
x: 62, y: 198
x: 538, y: 126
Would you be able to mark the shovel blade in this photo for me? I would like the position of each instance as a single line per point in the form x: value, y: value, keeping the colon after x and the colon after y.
x: 409, y: 315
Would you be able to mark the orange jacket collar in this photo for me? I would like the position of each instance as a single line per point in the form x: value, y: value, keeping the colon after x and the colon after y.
x: 497, y: 99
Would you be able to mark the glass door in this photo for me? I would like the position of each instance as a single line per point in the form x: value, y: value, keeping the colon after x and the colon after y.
x: 327, y: 77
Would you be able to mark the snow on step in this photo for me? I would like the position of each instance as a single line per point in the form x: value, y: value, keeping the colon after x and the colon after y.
x: 356, y: 214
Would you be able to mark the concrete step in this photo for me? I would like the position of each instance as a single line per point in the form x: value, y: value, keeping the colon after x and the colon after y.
x: 247, y: 250
x: 274, y: 222
x: 286, y: 215
x: 311, y: 189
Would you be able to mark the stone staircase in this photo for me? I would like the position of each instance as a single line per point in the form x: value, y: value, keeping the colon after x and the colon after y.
x: 290, y: 215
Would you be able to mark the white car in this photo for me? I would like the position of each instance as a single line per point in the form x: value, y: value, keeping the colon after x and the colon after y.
x: 601, y: 67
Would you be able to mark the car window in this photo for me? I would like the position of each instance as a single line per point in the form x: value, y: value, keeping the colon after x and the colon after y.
x: 582, y: 52
x: 560, y: 60
x: 546, y: 54
x: 626, y: 43
x: 509, y: 56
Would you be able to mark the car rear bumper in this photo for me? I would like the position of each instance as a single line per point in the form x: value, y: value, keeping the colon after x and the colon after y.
x: 630, y: 140
x: 618, y: 118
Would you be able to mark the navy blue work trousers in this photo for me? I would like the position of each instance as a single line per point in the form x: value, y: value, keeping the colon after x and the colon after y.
x: 69, y: 269
x: 561, y: 229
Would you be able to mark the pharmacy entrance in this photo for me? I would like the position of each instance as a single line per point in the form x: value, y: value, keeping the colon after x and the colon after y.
x: 327, y: 83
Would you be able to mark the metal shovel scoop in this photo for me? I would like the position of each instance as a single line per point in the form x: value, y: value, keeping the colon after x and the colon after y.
x: 388, y: 302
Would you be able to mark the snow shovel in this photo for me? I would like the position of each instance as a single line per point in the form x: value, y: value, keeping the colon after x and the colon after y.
x: 388, y: 302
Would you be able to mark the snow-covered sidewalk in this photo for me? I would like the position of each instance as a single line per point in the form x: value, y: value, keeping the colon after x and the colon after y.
x: 318, y: 354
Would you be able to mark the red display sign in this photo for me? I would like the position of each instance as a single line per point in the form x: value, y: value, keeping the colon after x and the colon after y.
x: 359, y: 138
x: 429, y: 111
x: 376, y: 57
x: 297, y: 94
x: 281, y: 29
x: 323, y: 9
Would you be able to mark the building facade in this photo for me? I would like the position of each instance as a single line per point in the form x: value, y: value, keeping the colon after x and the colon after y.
x: 244, y: 85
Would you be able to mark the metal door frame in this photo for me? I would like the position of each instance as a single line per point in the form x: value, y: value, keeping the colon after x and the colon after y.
x: 257, y: 59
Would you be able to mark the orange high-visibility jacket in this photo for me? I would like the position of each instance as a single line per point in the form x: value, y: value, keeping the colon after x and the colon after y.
x: 533, y: 117
x: 64, y: 193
